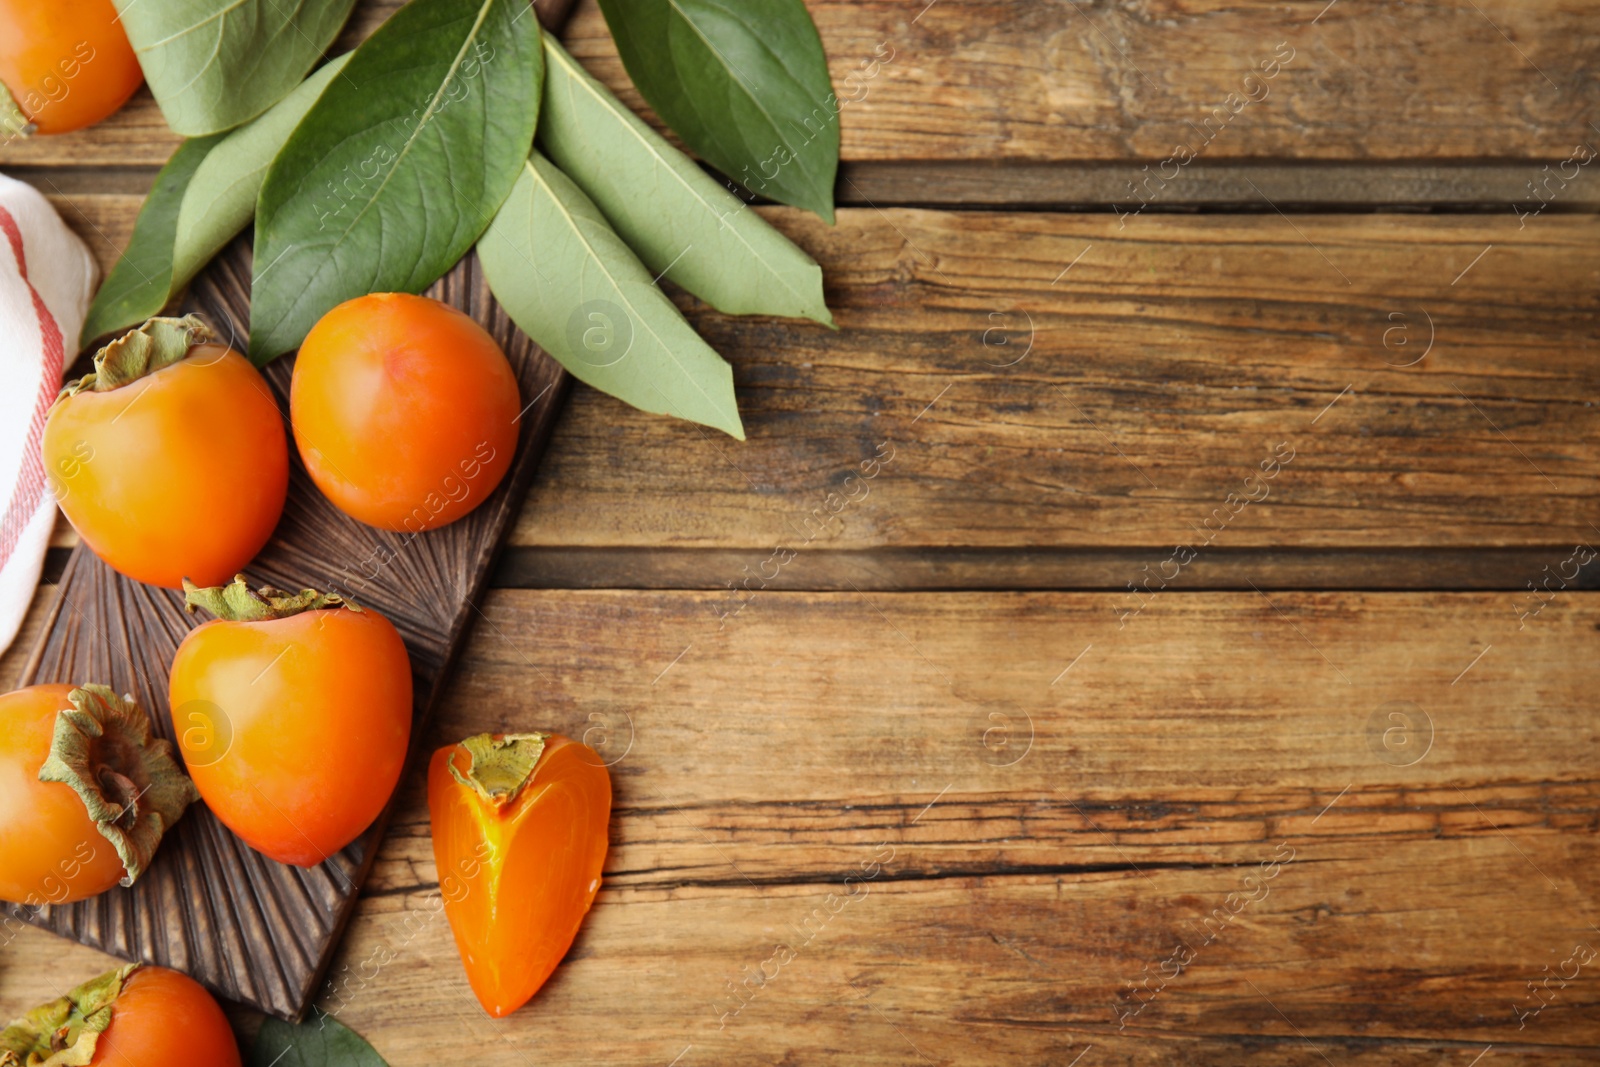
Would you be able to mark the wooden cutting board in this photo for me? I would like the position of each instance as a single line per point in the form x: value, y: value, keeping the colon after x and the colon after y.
x: 253, y: 930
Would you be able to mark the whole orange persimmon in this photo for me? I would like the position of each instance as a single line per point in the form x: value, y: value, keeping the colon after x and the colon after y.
x: 520, y: 829
x: 169, y: 459
x: 86, y: 792
x: 66, y: 63
x: 405, y: 411
x: 158, y: 1018
x: 293, y: 712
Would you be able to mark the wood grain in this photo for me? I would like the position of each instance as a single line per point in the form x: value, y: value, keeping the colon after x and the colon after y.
x: 1238, y: 186
x: 104, y: 220
x: 1030, y: 892
x: 254, y: 930
x: 1024, y: 905
x: 1168, y: 358
x: 980, y: 80
x: 1177, y: 349
x: 1066, y: 569
x: 1196, y: 726
x: 1361, y: 964
x: 1071, y: 783
x: 14, y: 660
x: 1249, y: 186
x: 932, y: 569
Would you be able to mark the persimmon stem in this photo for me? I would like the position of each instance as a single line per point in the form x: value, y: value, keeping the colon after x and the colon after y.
x: 73, y: 1022
x: 157, y: 344
x: 237, y: 602
x: 501, y: 765
x: 13, y: 123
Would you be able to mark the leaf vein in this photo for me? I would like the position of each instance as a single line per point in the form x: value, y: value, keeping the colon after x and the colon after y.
x: 594, y: 255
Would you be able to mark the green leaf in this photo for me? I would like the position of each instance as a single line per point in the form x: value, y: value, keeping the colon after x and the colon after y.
x: 399, y: 166
x: 200, y: 201
x: 574, y: 286
x: 138, y: 286
x: 745, y: 84
x: 320, y: 1041
x: 221, y: 197
x: 683, y: 224
x: 213, y: 64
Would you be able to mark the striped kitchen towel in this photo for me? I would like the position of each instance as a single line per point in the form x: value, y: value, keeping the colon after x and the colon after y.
x: 46, y: 279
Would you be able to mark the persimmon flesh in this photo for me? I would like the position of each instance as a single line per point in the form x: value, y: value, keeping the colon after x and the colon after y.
x: 66, y: 63
x: 519, y: 854
x: 405, y: 411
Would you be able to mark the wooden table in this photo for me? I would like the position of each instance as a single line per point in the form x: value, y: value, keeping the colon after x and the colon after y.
x: 1173, y: 690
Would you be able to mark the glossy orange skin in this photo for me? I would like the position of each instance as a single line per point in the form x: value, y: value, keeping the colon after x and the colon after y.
x: 518, y: 880
x: 314, y: 713
x: 181, y: 474
x: 162, y: 1018
x: 50, y: 850
x: 405, y: 411
x: 67, y: 63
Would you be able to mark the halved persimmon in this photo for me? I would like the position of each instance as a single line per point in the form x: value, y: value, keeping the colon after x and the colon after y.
x: 520, y: 829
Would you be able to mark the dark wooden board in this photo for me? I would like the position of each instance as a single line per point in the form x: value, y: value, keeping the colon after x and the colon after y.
x: 253, y: 930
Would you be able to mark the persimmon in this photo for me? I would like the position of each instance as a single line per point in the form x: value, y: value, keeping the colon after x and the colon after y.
x: 134, y: 1016
x: 293, y: 712
x: 86, y: 792
x: 405, y: 411
x: 66, y: 63
x: 169, y: 458
x: 519, y: 835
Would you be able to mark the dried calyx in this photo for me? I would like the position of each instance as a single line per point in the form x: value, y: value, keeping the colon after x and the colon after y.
x: 500, y: 765
x: 158, y: 343
x: 127, y: 778
x: 237, y: 602
x: 13, y: 123
x: 64, y: 1032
